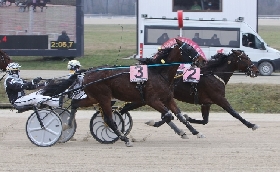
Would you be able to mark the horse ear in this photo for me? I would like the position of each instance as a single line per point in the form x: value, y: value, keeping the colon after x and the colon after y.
x: 178, y: 41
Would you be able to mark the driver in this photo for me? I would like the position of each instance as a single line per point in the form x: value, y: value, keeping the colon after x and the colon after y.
x: 74, y: 69
x: 15, y: 86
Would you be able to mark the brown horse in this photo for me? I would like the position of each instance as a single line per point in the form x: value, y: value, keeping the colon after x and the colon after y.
x: 58, y: 86
x: 216, y: 75
x: 211, y: 87
x: 4, y: 60
x: 157, y: 92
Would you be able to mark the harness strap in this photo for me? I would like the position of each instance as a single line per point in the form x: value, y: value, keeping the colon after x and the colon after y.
x: 240, y: 54
x: 3, y: 77
x: 220, y: 79
x: 182, y: 45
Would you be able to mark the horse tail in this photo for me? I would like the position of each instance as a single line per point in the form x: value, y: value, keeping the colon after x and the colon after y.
x: 55, y: 87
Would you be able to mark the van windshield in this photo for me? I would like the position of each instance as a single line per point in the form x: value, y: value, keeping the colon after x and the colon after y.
x: 214, y: 37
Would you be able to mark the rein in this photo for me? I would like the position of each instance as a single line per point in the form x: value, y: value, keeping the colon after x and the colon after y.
x: 3, y: 76
x: 195, y: 57
x: 127, y: 67
x: 83, y: 86
x: 182, y: 46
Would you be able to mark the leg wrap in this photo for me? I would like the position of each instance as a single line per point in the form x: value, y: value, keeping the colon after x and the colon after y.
x: 188, y: 125
x: 121, y: 136
x: 167, y: 117
x: 159, y: 123
x: 111, y: 124
x: 175, y: 128
x: 181, y: 118
x: 114, y: 127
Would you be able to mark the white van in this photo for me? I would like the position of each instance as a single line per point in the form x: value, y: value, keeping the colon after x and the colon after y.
x: 229, y: 35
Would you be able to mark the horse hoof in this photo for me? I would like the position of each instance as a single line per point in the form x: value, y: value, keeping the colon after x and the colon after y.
x: 150, y: 123
x: 129, y: 144
x: 184, y: 136
x: 200, y: 135
x: 255, y: 127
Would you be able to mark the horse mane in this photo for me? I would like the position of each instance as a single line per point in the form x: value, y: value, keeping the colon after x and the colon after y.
x: 162, y: 53
x: 217, y: 60
x: 6, y: 57
x: 3, y: 53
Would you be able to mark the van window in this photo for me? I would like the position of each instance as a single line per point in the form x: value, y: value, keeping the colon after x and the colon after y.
x: 250, y: 40
x: 214, y: 37
x: 198, y: 5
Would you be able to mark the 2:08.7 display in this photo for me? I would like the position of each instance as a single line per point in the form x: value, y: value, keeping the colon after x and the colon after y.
x: 62, y: 45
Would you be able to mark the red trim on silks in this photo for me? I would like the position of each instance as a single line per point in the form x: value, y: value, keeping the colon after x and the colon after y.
x: 171, y: 42
x: 180, y: 18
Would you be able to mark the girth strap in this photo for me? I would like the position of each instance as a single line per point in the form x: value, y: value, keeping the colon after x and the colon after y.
x: 194, y: 92
x: 140, y: 86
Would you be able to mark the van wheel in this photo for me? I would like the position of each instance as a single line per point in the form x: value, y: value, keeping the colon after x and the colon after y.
x: 265, y: 68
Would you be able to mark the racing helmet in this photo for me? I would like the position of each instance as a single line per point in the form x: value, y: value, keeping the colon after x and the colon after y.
x: 74, y: 65
x: 13, y: 68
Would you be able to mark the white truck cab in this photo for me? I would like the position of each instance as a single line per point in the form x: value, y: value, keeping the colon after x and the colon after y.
x: 211, y: 36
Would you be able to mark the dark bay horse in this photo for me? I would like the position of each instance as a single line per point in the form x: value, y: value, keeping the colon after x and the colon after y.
x: 211, y: 87
x: 157, y: 92
x: 4, y: 60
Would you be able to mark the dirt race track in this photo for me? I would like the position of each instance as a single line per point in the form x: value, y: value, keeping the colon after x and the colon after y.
x: 228, y: 146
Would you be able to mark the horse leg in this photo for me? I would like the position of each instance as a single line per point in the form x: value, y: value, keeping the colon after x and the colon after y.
x: 130, y: 106
x: 205, y: 115
x: 173, y: 107
x: 107, y: 112
x: 226, y: 106
x: 166, y: 118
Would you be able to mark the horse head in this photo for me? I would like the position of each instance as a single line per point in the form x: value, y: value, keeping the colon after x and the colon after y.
x: 4, y: 60
x: 167, y: 55
x: 190, y: 55
x: 244, y: 63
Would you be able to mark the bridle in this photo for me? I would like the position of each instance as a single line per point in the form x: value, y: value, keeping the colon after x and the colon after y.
x: 195, y: 61
x: 249, y: 69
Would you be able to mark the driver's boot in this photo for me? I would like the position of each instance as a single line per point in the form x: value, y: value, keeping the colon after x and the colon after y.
x: 68, y: 125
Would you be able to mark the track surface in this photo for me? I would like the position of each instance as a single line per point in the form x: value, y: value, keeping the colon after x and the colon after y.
x: 228, y: 146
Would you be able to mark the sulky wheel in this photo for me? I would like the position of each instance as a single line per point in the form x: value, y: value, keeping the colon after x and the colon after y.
x: 103, y: 133
x: 69, y: 133
x: 128, y: 123
x: 47, y: 135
